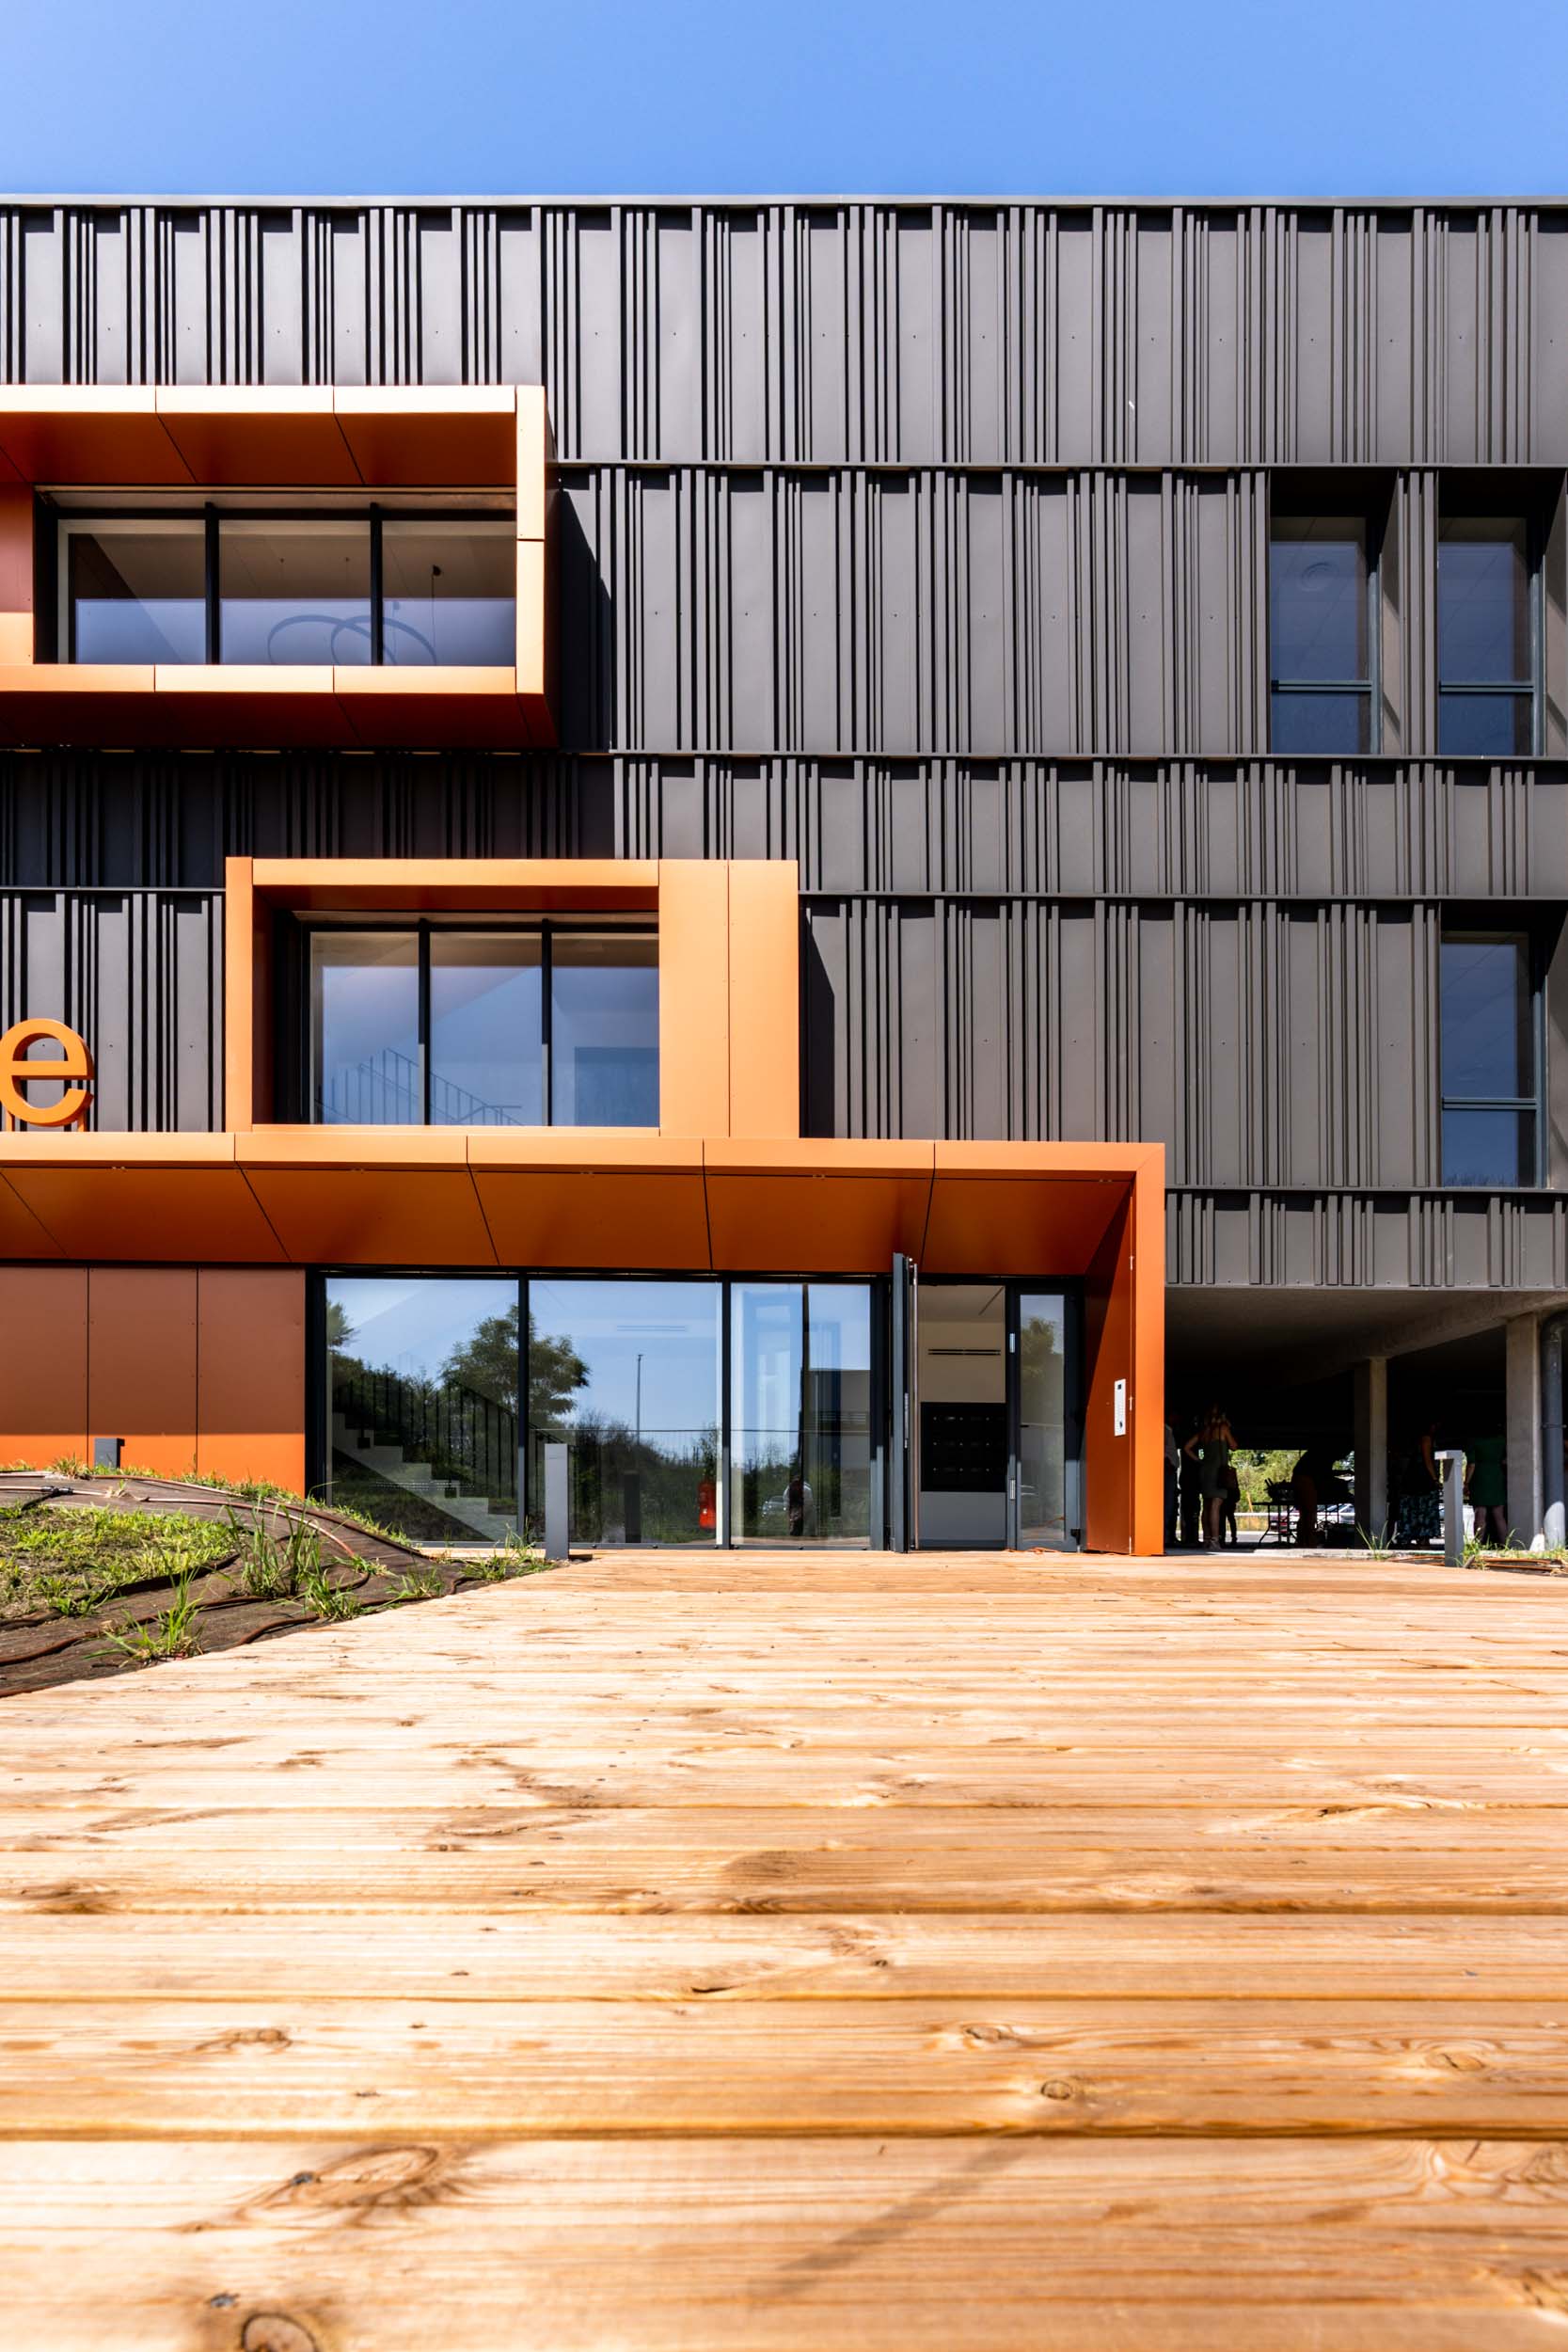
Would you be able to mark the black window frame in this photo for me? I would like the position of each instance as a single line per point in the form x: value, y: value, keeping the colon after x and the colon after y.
x: 1496, y: 690
x: 1302, y: 509
x: 544, y: 927
x: 212, y: 515
x: 1483, y: 933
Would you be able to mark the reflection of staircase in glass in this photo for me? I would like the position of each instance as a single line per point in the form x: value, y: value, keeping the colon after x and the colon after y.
x: 382, y: 1091
x: 450, y: 1451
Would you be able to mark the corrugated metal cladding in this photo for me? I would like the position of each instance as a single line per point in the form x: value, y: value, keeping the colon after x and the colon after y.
x: 1193, y: 829
x: 823, y: 332
x: 927, y: 544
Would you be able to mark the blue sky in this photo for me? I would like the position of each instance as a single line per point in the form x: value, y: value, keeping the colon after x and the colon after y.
x: 488, y: 97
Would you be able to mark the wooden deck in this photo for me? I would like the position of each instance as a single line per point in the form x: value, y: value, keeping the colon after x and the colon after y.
x: 804, y: 1953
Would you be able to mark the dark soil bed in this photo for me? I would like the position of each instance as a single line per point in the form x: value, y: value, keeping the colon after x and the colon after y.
x: 100, y: 1576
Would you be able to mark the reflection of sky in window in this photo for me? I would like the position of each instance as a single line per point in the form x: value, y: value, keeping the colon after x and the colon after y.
x: 672, y: 1326
x: 485, y: 1038
x: 411, y: 1327
x: 1317, y: 603
x: 367, y: 1013
x: 1482, y: 610
x: 1485, y: 1041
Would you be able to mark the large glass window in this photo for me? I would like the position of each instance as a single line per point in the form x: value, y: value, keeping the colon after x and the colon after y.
x: 449, y: 593
x: 1486, y: 695
x: 604, y: 1029
x: 1489, y: 1061
x: 486, y: 1029
x: 134, y: 591
x: 543, y: 1025
x: 365, y: 1064
x: 423, y: 1404
x: 627, y: 1374
x: 295, y: 592
x: 801, y: 1412
x: 1319, y: 635
x: 280, y: 589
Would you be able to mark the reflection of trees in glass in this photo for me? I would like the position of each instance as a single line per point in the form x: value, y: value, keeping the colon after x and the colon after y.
x: 487, y: 1362
x: 338, y: 1328
x: 1041, y: 1361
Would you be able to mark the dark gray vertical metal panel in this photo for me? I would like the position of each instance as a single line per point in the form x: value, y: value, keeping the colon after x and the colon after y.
x: 520, y: 281
x: 931, y: 382
x: 282, y: 306
x: 1407, y: 586
x: 675, y: 334
x: 1548, y: 336
x: 42, y: 296
x: 1400, y: 421
x: 138, y: 974
x: 1308, y: 323
x: 1153, y: 327
x: 736, y: 380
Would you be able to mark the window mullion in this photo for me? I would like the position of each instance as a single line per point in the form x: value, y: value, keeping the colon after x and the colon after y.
x: 378, y: 647
x: 547, y: 1012
x: 210, y: 569
x: 425, y: 1023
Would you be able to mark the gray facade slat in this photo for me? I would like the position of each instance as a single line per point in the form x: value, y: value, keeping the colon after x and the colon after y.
x: 140, y: 973
x: 832, y: 332
x: 1189, y: 829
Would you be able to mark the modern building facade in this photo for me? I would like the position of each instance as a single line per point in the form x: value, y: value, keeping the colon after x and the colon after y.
x: 820, y: 849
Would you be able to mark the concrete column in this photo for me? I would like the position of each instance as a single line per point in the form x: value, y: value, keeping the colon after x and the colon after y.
x: 1371, y: 1445
x: 1523, y: 1428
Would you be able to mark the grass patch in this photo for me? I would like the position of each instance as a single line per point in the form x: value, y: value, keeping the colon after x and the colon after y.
x: 70, y: 1562
x: 420, y: 1585
x: 171, y: 1633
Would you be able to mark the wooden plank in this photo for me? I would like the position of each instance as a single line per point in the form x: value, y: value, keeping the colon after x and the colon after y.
x: 898, y: 2246
x: 845, y: 1861
x: 55, y: 1957
x: 740, y: 2069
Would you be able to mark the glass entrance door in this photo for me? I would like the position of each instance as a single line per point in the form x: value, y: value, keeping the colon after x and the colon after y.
x: 1047, y: 1454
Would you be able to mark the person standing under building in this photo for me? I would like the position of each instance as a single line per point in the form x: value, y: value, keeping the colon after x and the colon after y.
x: 1173, y: 1464
x: 1419, y: 1520
x: 1210, y: 1447
x: 1487, y: 1487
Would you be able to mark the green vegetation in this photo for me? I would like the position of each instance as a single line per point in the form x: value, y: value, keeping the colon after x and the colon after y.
x: 420, y: 1585
x: 320, y: 1596
x: 72, y: 1563
x: 171, y: 1633
x: 269, y: 1567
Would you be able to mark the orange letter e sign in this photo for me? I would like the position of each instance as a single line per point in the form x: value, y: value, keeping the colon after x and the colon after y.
x: 16, y: 1071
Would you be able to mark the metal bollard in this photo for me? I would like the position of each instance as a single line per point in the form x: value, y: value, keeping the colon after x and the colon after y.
x: 557, y: 1502
x: 1453, y: 1505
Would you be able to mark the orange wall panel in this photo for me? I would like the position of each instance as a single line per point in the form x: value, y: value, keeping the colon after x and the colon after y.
x: 765, y: 997
x: 16, y: 572
x: 693, y: 998
x: 1108, y: 1460
x: 141, y: 1364
x: 44, y: 1364
x: 250, y: 1373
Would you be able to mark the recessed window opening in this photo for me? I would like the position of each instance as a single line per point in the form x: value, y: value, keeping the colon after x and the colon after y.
x: 1322, y: 638
x: 429, y: 1024
x: 1490, y: 1059
x: 1488, y: 635
x: 284, y: 587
